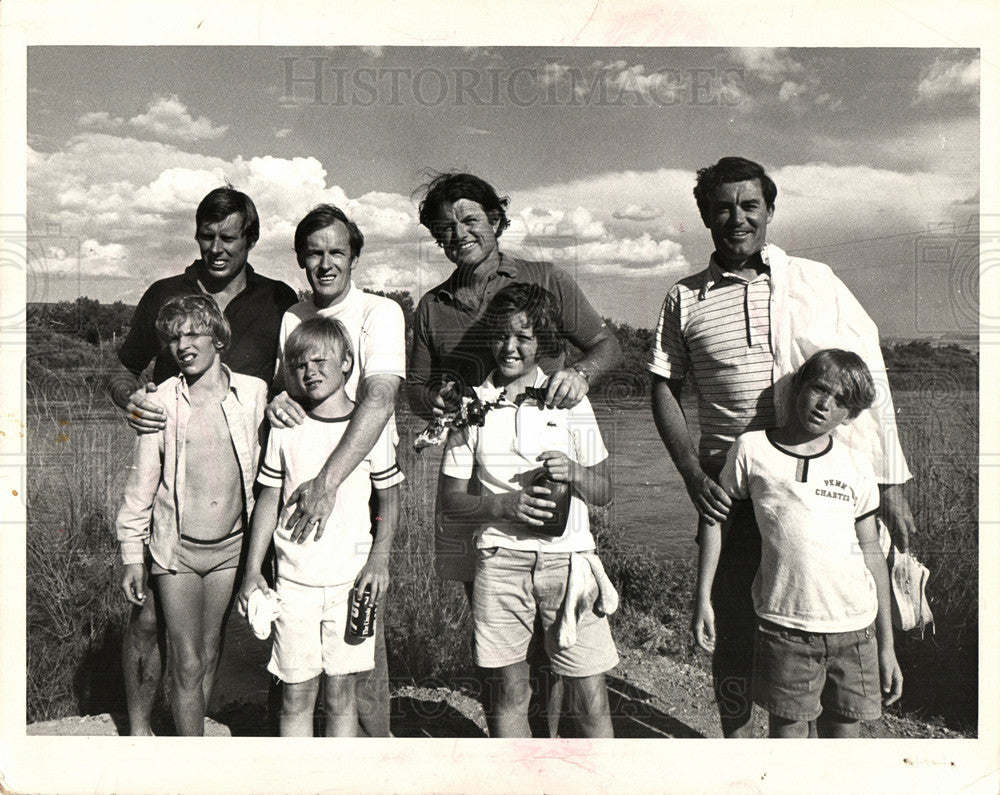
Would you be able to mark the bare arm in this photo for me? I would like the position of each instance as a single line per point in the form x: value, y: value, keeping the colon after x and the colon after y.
x: 375, y: 574
x: 709, y: 548
x: 262, y: 525
x: 519, y: 506
x: 593, y: 484
x: 315, y: 498
x: 707, y: 496
x: 895, y: 512
x: 568, y: 386
x: 889, y: 671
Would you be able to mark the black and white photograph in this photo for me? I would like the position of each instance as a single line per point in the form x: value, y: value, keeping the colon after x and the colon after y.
x: 598, y: 378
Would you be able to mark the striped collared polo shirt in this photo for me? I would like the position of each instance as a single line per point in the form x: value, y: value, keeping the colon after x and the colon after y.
x: 717, y: 326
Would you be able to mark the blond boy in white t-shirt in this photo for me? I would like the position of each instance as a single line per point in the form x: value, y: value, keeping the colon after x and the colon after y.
x: 824, y: 638
x: 315, y: 580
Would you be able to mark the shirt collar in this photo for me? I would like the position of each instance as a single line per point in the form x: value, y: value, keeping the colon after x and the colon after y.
x: 191, y: 276
x: 540, y: 380
x: 182, y: 384
x: 508, y: 267
x: 714, y: 274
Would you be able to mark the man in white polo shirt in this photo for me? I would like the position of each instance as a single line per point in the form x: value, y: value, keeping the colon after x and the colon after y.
x: 327, y: 245
x: 741, y: 328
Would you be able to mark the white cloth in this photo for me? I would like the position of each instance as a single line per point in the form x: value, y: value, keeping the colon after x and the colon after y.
x: 503, y: 451
x: 812, y: 573
x: 262, y: 610
x: 811, y: 309
x: 375, y: 326
x: 295, y: 455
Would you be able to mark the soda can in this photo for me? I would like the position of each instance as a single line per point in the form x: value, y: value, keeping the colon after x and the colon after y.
x: 362, y: 618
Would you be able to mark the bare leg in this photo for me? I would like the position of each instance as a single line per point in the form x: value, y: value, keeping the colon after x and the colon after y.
x: 341, y: 705
x: 784, y: 728
x: 218, y: 598
x: 298, y: 702
x: 143, y: 653
x: 182, y: 598
x: 587, y: 698
x: 833, y: 725
x: 373, y: 695
x: 509, y: 701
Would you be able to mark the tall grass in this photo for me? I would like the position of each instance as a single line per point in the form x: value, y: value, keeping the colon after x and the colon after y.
x: 78, y: 456
x: 76, y: 464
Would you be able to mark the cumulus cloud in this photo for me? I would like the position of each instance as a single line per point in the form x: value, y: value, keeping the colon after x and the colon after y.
x: 167, y: 117
x: 635, y: 212
x: 948, y: 78
x: 800, y: 89
x: 101, y: 120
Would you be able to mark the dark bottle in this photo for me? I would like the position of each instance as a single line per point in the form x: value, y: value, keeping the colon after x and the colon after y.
x: 559, y: 493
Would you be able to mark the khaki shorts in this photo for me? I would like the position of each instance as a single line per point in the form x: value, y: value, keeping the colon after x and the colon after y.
x: 311, y: 634
x: 511, y: 588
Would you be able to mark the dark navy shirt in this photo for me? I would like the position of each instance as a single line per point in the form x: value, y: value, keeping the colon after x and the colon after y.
x: 254, y: 315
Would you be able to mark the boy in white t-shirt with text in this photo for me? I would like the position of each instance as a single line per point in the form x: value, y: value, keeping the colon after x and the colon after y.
x: 824, y: 638
x: 521, y: 574
x: 315, y: 580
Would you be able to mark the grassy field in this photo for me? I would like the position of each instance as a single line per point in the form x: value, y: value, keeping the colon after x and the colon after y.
x: 79, y: 451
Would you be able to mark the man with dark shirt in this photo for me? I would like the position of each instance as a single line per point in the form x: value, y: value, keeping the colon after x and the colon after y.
x: 227, y: 228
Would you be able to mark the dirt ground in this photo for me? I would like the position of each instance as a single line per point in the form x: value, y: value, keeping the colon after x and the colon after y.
x: 651, y: 696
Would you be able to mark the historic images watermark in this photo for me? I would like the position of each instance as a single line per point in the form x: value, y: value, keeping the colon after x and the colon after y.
x: 317, y: 80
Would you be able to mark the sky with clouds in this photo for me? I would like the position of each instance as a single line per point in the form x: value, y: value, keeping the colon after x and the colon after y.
x: 875, y: 153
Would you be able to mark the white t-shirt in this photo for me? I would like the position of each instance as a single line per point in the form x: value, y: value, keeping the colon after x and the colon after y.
x: 505, y: 449
x: 295, y: 455
x: 812, y: 572
x: 376, y: 328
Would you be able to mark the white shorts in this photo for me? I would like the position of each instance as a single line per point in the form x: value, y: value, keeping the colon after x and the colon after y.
x: 311, y: 634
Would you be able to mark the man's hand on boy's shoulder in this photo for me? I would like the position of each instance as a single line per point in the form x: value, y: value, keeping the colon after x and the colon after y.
x: 283, y: 412
x: 374, y: 576
x: 145, y: 414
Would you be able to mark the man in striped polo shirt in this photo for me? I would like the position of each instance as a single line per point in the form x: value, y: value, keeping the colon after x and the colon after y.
x: 741, y: 328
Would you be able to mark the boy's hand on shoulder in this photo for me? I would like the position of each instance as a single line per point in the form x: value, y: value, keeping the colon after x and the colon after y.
x: 134, y: 583
x: 251, y: 583
x: 703, y: 626
x: 145, y: 415
x: 891, y: 676
x: 283, y: 412
x: 374, y: 576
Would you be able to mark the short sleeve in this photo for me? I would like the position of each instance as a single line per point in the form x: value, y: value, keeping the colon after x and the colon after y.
x: 141, y: 343
x: 272, y: 468
x: 868, y: 493
x: 669, y: 356
x: 586, y: 433
x: 460, y: 453
x: 578, y: 320
x: 733, y: 477
x: 383, y: 340
x: 385, y: 471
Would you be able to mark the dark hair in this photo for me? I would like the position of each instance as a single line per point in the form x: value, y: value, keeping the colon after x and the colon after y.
x: 322, y: 216
x: 449, y: 188
x: 201, y: 310
x: 732, y: 169
x: 223, y: 202
x: 319, y: 332
x: 538, y: 306
x: 857, y: 388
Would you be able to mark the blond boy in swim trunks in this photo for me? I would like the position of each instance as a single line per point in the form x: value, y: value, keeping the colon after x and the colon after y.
x: 189, y: 496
